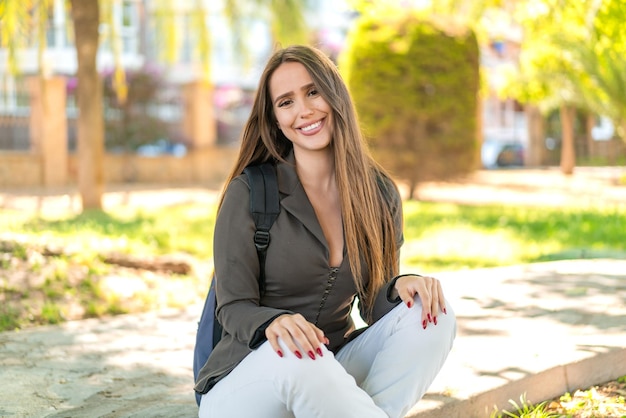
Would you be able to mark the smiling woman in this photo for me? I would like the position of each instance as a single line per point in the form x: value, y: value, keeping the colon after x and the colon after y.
x: 337, y: 237
x: 303, y: 115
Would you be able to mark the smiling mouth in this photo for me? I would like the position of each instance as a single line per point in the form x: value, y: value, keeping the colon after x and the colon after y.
x: 311, y: 126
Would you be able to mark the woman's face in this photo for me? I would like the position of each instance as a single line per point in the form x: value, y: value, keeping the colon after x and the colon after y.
x: 303, y: 115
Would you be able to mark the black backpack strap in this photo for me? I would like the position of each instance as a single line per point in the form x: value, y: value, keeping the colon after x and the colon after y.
x: 264, y: 207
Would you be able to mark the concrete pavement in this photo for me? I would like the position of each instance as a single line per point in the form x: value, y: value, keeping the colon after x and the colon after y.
x: 541, y: 330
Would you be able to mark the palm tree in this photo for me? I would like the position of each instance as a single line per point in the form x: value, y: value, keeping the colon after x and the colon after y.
x: 573, y: 57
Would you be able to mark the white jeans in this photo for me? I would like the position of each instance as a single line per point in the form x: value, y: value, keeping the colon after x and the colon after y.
x: 382, y: 373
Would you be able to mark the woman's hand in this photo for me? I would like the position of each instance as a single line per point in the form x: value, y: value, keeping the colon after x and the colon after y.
x: 430, y: 292
x: 297, y: 333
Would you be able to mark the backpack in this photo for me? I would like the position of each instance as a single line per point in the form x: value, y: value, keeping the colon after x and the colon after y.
x: 264, y: 208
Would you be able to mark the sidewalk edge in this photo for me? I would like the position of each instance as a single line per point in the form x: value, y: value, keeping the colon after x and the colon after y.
x: 541, y: 386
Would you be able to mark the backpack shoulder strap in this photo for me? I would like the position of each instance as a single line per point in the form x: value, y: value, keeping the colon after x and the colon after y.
x: 264, y: 207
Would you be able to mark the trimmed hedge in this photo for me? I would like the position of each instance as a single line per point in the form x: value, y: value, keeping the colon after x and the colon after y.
x: 415, y: 85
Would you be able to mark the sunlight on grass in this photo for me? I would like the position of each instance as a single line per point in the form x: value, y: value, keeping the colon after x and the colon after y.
x: 462, y: 246
x: 438, y: 236
x: 452, y: 237
x: 65, y: 256
x: 163, y: 230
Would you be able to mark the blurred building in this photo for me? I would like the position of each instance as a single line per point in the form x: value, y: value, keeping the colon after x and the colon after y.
x: 504, y: 120
x: 144, y: 45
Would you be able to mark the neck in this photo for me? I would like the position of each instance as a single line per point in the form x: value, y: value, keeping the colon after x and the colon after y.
x: 316, y: 169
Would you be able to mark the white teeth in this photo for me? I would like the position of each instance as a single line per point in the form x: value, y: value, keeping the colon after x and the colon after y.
x: 312, y: 126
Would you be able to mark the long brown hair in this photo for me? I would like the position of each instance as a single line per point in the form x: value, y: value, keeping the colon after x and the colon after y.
x: 368, y: 225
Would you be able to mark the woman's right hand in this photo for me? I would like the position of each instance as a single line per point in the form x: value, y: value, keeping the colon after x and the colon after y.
x: 297, y: 333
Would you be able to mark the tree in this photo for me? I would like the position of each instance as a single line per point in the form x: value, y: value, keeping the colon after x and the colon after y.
x: 602, y: 58
x: 415, y: 86
x: 573, y: 56
x: 86, y: 19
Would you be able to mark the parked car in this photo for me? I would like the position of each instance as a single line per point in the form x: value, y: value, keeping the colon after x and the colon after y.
x: 510, y: 155
x: 497, y: 153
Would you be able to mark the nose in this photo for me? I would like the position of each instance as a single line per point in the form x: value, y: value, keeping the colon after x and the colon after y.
x: 306, y: 109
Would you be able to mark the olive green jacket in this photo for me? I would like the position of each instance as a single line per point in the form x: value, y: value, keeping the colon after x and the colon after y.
x: 297, y: 274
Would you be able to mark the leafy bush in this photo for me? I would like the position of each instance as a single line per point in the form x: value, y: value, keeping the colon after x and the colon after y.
x: 131, y: 124
x: 415, y: 86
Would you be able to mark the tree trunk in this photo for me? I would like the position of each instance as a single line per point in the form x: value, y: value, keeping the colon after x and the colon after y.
x: 568, y: 154
x: 590, y: 122
x: 535, y: 155
x: 90, y: 127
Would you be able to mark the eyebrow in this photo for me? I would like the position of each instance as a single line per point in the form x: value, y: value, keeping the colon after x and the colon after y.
x: 289, y: 93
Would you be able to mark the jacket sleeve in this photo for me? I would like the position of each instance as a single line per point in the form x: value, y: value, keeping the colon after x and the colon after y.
x: 237, y: 269
x: 383, y: 302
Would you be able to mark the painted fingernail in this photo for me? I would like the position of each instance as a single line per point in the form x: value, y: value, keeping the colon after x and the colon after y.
x: 424, y: 324
x: 444, y: 311
x: 409, y: 303
x: 280, y: 353
x: 297, y: 353
x: 429, y: 318
x: 435, y: 320
x: 312, y: 355
x: 319, y: 351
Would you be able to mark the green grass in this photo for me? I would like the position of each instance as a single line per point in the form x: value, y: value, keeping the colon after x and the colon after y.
x: 604, y: 400
x: 451, y: 237
x: 183, y: 228
x: 524, y: 409
x: 77, y: 280
x: 437, y: 236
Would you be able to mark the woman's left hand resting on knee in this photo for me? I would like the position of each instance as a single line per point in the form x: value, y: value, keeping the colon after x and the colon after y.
x: 430, y: 292
x: 296, y: 331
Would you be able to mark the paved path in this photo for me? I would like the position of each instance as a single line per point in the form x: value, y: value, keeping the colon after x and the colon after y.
x: 540, y: 329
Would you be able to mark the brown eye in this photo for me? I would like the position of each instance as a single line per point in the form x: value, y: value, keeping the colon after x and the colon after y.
x: 284, y: 103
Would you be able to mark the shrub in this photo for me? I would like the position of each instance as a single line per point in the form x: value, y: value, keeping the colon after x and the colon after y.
x: 131, y: 124
x: 415, y: 86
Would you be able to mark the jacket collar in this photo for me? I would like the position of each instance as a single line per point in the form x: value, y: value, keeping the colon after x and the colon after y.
x: 295, y: 200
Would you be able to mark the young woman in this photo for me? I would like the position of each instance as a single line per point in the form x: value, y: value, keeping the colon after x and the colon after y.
x: 292, y: 351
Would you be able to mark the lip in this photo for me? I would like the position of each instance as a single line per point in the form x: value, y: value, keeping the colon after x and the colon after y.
x: 314, y: 130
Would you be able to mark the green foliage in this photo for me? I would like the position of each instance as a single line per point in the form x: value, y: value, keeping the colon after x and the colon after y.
x: 573, y: 53
x: 285, y: 19
x: 23, y: 23
x: 524, y: 409
x: 130, y: 123
x: 606, y: 400
x: 415, y: 86
x: 51, y: 313
x: 9, y: 317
